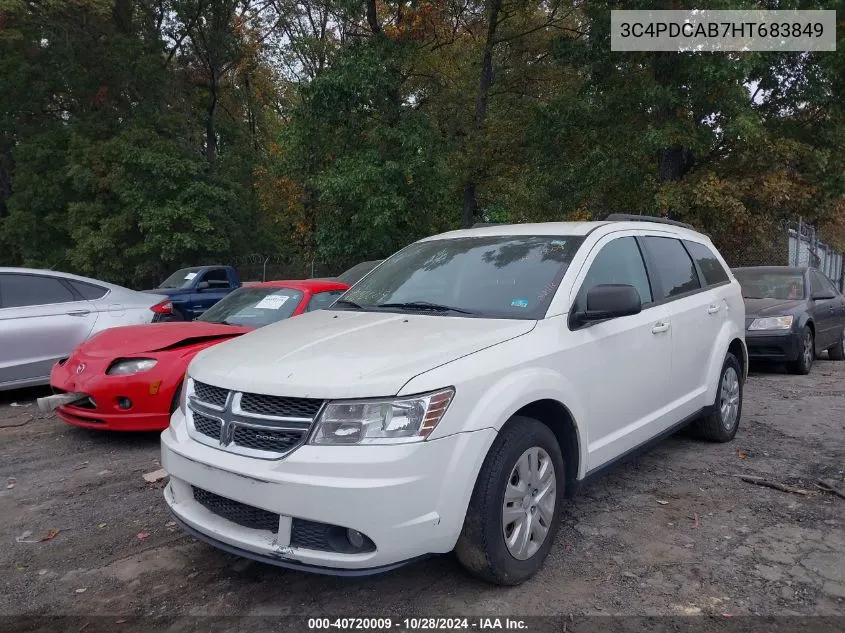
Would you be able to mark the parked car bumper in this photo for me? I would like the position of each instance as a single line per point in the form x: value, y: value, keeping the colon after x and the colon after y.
x: 409, y: 500
x: 91, y: 419
x: 768, y: 346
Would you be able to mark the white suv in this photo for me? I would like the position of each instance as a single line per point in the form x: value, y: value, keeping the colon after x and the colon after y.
x: 456, y: 396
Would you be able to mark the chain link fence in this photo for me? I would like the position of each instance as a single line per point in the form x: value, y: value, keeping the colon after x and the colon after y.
x: 262, y: 267
x: 796, y: 243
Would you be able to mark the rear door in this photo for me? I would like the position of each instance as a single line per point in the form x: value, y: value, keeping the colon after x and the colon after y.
x: 41, y: 320
x: 695, y: 314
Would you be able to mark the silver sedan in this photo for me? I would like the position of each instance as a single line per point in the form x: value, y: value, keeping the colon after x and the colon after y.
x: 45, y: 314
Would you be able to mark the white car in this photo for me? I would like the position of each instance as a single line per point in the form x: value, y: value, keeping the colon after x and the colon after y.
x: 456, y: 396
x: 45, y: 314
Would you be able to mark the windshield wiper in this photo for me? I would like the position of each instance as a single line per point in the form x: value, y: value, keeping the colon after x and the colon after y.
x: 425, y: 305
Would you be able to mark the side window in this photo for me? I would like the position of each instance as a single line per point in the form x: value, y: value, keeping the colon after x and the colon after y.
x: 323, y: 300
x: 88, y: 291
x: 32, y: 290
x: 712, y: 270
x: 676, y: 270
x: 619, y: 262
x: 821, y: 284
x: 216, y: 278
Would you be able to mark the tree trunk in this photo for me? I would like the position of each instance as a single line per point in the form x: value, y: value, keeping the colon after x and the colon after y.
x: 372, y: 17
x: 470, y: 205
x: 210, y: 128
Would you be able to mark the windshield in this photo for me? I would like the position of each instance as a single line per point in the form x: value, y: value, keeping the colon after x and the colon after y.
x: 510, y: 277
x: 253, y: 307
x: 767, y: 284
x: 180, y: 279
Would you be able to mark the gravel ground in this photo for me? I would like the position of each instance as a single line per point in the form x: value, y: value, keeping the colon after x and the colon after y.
x: 672, y: 532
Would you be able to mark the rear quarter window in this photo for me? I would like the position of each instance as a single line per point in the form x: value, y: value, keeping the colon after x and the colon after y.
x: 713, y: 271
x: 88, y: 291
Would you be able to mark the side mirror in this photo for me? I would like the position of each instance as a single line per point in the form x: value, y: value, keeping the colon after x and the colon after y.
x: 821, y: 296
x: 609, y: 301
x: 203, y: 285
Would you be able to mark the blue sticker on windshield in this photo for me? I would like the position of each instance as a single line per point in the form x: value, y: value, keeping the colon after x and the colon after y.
x: 519, y: 303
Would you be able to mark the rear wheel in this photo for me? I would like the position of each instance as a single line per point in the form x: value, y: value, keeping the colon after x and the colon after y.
x: 837, y: 352
x: 806, y: 353
x: 721, y: 421
x: 514, y: 512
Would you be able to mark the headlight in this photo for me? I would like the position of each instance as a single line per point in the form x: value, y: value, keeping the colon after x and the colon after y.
x: 771, y: 323
x: 126, y: 366
x: 390, y: 421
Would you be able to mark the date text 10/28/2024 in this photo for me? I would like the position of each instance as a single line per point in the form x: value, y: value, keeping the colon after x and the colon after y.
x: 416, y: 624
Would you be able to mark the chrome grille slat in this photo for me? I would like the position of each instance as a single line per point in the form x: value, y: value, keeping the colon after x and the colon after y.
x: 257, y: 425
x: 215, y: 396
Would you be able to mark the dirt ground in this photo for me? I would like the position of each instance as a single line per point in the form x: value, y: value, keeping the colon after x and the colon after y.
x: 674, y: 531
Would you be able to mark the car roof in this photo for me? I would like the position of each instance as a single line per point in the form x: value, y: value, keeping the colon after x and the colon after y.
x: 563, y: 228
x: 57, y: 273
x: 311, y: 285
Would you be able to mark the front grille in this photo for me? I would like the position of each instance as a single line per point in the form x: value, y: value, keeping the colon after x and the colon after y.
x: 266, y: 439
x: 280, y: 407
x: 207, y: 426
x: 237, y: 512
x: 210, y: 394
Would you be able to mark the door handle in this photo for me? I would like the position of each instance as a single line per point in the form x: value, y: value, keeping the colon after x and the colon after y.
x: 713, y: 309
x: 79, y: 313
x: 660, y: 327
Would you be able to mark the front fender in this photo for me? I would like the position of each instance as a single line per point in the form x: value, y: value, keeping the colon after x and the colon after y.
x: 484, y: 403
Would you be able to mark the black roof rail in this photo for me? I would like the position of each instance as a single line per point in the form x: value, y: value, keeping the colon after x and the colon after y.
x: 630, y: 217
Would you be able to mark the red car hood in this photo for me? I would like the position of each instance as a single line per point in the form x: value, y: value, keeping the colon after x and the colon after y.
x: 135, y: 339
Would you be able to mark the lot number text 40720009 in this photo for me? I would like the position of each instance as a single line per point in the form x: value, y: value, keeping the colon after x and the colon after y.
x: 416, y: 624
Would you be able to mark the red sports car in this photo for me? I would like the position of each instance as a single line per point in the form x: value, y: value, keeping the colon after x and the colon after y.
x: 129, y: 378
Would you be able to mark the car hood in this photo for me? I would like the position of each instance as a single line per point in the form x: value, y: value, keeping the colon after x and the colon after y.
x: 771, y: 307
x: 154, y: 337
x: 347, y: 354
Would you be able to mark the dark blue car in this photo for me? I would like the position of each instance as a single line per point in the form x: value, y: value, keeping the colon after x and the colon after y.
x: 194, y: 290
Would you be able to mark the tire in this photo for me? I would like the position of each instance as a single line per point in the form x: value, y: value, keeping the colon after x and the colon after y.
x: 837, y: 352
x: 481, y: 547
x: 721, y: 421
x: 806, y: 354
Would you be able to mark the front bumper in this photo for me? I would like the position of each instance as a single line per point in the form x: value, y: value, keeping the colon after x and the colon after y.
x: 410, y: 500
x: 775, y: 347
x: 149, y: 412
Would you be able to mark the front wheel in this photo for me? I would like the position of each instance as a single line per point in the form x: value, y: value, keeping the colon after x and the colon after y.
x: 514, y: 512
x: 837, y: 352
x: 806, y: 353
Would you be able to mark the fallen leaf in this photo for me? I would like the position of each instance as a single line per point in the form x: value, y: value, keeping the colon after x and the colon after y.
x: 663, y: 503
x: 155, y: 476
x: 101, y: 526
x: 51, y: 534
x: 695, y: 520
x: 82, y: 590
x: 143, y: 535
x: 741, y: 454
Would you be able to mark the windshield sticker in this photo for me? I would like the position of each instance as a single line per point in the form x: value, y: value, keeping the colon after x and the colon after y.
x: 190, y: 276
x: 272, y: 302
x: 519, y: 303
